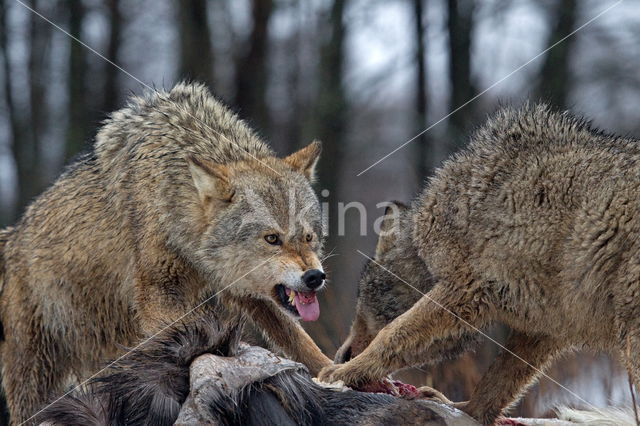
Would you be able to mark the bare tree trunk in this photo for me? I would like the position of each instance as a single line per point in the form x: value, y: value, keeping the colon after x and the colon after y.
x: 27, y: 126
x: 422, y: 144
x: 331, y: 116
x: 4, y: 43
x: 300, y: 124
x: 77, y: 86
x: 554, y: 83
x: 18, y: 136
x: 37, y: 59
x: 294, y: 129
x: 460, y: 29
x: 196, y: 52
x: 110, y: 101
x: 40, y: 34
x: 252, y: 70
x: 330, y: 123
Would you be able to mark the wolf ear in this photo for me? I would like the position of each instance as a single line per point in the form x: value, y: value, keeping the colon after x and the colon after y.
x: 212, y: 180
x: 389, y: 224
x: 305, y: 160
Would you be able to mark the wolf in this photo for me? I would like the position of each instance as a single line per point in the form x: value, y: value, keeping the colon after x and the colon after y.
x: 178, y: 202
x: 382, y: 295
x: 535, y: 224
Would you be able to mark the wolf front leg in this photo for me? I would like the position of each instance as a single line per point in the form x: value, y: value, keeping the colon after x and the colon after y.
x: 511, y: 373
x: 439, y: 314
x: 285, y: 333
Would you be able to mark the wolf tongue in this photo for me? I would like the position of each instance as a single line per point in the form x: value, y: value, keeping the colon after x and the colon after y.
x: 307, y: 305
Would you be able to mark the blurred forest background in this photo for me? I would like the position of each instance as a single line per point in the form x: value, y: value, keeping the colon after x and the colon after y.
x: 363, y: 76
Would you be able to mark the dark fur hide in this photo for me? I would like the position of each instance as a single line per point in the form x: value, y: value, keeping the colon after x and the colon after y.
x: 149, y: 386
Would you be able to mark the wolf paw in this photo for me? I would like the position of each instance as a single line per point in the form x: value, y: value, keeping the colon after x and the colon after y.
x: 433, y: 394
x: 343, y: 373
x: 326, y: 374
x: 462, y: 405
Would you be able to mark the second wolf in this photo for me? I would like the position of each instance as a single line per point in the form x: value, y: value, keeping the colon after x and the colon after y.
x: 383, y: 296
x: 535, y: 224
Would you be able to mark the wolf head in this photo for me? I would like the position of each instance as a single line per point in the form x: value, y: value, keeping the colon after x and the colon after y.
x: 261, y: 229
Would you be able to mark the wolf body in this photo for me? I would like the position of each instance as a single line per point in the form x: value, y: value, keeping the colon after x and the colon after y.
x: 177, y: 202
x: 536, y: 224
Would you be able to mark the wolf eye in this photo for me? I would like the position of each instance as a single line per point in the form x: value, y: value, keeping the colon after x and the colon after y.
x: 273, y: 239
x: 308, y: 237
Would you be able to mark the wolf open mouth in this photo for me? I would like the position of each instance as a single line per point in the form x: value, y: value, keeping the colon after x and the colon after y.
x: 300, y: 303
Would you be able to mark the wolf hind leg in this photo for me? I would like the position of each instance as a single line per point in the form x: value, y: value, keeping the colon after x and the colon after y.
x: 509, y: 375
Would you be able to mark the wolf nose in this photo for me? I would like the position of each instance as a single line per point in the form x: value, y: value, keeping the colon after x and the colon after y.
x: 313, y: 278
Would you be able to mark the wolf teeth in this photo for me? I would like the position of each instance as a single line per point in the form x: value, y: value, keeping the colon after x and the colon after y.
x: 292, y: 297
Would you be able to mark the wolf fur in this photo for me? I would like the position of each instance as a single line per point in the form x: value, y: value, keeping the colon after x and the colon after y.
x: 535, y: 224
x: 171, y: 206
x: 4, y: 237
x: 610, y: 416
x: 151, y: 386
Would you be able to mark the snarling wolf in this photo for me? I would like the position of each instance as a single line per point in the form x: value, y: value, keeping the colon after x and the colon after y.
x: 177, y: 201
x: 535, y: 224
